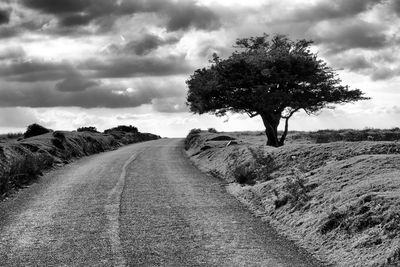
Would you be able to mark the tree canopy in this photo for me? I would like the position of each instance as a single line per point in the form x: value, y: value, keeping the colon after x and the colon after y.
x: 271, y: 77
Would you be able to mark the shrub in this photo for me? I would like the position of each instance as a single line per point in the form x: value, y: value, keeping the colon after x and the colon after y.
x: 87, y: 129
x: 259, y: 168
x: 297, y: 190
x: 195, y: 131
x: 212, y: 130
x: 264, y: 164
x: 23, y: 170
x: 281, y: 201
x: 35, y: 129
x: 334, y: 220
x: 122, y: 128
x: 245, y: 174
x: 294, y: 192
x: 191, y: 138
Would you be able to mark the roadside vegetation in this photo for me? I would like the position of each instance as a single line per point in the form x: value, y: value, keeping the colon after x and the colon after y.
x: 335, y: 192
x: 23, y: 157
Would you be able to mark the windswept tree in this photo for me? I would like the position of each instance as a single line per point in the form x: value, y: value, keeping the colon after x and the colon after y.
x: 268, y: 77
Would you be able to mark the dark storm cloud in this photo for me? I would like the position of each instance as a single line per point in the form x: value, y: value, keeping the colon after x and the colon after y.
x: 147, y: 43
x: 395, y: 6
x: 32, y: 71
x: 4, y: 16
x: 179, y: 15
x: 8, y: 32
x: 75, y: 83
x: 59, y: 7
x: 125, y: 66
x: 71, y: 13
x: 76, y: 19
x: 332, y: 9
x: 90, y: 98
x: 188, y: 15
x: 24, y: 24
x: 357, y: 63
x: 117, y: 66
x: 377, y: 68
x: 348, y: 34
x: 96, y: 95
x: 141, y: 46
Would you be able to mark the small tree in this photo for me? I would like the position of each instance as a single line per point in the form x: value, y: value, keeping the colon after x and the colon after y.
x: 271, y: 77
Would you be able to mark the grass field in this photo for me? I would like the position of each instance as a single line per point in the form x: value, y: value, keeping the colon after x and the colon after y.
x: 338, y: 199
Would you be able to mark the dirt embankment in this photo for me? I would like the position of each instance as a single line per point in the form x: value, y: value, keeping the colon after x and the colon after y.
x: 339, y: 200
x: 23, y: 161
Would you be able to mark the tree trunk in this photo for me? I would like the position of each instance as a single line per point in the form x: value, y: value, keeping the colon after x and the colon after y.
x: 271, y: 123
x: 283, y: 137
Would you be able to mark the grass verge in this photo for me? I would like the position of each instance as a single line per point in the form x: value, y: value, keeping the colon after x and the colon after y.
x: 340, y: 200
x: 23, y: 160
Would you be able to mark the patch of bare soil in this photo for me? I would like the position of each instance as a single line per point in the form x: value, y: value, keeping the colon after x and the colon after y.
x: 339, y: 200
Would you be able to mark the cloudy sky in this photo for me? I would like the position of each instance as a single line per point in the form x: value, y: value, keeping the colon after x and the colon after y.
x: 72, y: 63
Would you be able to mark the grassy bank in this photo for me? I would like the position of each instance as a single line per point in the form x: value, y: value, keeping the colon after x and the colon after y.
x: 23, y: 160
x: 340, y: 200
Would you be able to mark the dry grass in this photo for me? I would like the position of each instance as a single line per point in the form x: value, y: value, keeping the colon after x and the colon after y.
x: 21, y: 162
x: 10, y: 136
x: 340, y: 200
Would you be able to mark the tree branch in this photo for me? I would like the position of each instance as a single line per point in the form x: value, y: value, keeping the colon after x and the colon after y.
x: 291, y: 113
x: 252, y: 114
x: 283, y: 137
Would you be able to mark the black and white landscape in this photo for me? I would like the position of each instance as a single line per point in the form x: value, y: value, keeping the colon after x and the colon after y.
x: 291, y: 115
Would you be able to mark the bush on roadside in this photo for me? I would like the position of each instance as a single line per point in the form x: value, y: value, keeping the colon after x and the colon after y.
x: 23, y: 170
x: 191, y: 137
x: 264, y: 164
x: 122, y: 128
x: 35, y: 130
x: 212, y: 130
x: 195, y: 131
x: 297, y: 190
x: 245, y: 174
x: 294, y: 191
x: 91, y: 129
x: 259, y: 168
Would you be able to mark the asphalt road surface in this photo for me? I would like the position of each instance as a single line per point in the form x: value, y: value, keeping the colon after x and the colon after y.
x: 141, y: 205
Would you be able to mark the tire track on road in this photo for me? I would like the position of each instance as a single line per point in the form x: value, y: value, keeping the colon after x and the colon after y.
x: 112, y: 209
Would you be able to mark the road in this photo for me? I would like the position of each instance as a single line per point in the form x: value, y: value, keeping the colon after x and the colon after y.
x: 141, y: 205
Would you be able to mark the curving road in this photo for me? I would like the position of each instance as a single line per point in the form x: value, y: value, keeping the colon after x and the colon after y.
x: 140, y: 205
